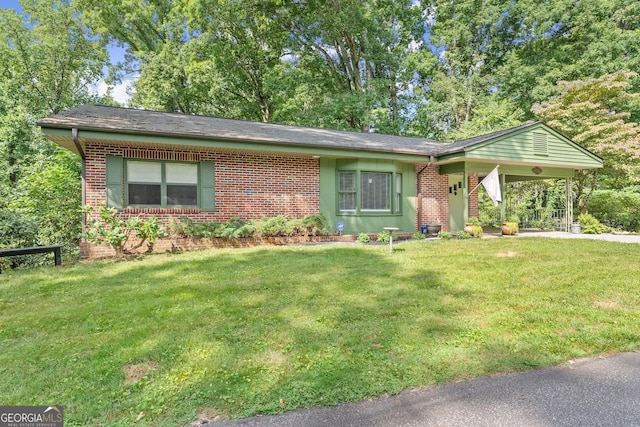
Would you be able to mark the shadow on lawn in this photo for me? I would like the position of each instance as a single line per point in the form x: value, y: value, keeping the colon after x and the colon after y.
x: 245, y: 332
x: 240, y: 332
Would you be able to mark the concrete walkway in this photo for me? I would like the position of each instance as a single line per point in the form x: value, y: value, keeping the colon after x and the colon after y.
x: 621, y: 238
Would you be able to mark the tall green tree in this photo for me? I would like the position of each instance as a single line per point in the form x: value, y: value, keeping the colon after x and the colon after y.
x: 453, y: 69
x: 153, y: 33
x: 352, y: 53
x: 567, y: 40
x: 595, y: 114
x: 49, y: 61
x: 245, y: 44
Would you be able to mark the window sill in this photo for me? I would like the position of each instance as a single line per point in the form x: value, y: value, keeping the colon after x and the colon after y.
x: 369, y: 213
x: 165, y: 211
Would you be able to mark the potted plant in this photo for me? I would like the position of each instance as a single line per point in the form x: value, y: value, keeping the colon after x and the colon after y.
x: 510, y: 228
x: 433, y: 229
x: 473, y: 227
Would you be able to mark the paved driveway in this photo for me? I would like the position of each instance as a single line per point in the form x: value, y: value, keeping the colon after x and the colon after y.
x: 622, y: 238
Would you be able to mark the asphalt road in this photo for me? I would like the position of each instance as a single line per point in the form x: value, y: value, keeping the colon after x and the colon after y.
x: 588, y: 392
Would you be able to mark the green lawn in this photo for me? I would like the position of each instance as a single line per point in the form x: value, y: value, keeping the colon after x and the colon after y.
x: 240, y: 332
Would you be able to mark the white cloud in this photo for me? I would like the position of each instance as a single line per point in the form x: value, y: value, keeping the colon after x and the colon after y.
x: 118, y: 92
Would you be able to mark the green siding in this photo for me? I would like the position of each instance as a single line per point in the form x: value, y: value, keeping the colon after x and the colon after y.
x: 115, y: 174
x: 519, y: 147
x: 515, y: 170
x: 369, y: 222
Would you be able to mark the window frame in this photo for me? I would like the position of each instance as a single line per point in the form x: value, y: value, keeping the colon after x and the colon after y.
x: 163, y: 184
x: 395, y: 198
x: 342, y: 191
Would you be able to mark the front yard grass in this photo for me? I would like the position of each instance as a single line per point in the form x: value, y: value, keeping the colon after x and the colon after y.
x: 238, y: 332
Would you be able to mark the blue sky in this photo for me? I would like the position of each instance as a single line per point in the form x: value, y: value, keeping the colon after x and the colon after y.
x: 11, y: 4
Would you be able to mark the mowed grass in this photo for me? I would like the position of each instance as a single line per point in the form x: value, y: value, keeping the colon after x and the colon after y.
x: 239, y: 332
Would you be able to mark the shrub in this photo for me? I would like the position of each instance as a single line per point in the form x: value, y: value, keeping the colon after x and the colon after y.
x: 187, y: 227
x: 383, y: 237
x: 618, y: 209
x: 590, y: 225
x: 363, y: 238
x: 463, y: 235
x: 311, y: 225
x: 418, y: 236
x: 235, y: 228
x: 117, y: 232
x: 17, y: 230
x: 445, y: 235
x: 315, y: 225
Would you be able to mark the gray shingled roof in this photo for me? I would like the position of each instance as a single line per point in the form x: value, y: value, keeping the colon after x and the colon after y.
x: 145, y: 122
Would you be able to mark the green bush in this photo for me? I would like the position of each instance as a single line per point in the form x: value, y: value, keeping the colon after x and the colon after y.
x: 278, y: 226
x: 383, y: 237
x: 445, y: 235
x: 16, y: 230
x: 117, y: 232
x: 463, y: 235
x: 617, y: 209
x: 590, y: 225
x: 363, y: 238
x: 418, y: 236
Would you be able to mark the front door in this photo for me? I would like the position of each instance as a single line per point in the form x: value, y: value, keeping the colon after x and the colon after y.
x: 456, y: 204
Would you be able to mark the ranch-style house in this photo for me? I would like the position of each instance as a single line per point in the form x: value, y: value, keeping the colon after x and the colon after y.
x: 150, y: 163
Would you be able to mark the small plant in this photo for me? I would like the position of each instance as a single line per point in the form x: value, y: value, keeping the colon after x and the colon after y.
x: 383, y: 237
x: 475, y: 221
x: 363, y: 238
x: 463, y: 235
x: 116, y: 231
x: 418, y: 236
x: 445, y: 235
x: 510, y: 228
x: 590, y: 225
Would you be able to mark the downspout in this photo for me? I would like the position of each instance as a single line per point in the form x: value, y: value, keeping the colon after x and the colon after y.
x: 76, y: 142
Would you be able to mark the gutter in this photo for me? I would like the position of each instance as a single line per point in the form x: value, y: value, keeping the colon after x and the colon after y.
x: 76, y: 142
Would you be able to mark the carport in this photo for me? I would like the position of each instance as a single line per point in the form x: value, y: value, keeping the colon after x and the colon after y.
x: 533, y: 151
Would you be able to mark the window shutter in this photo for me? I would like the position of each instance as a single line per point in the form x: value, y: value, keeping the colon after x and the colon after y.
x: 207, y: 186
x: 115, y: 169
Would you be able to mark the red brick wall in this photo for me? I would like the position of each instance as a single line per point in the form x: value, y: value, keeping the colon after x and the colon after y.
x: 473, y: 197
x: 432, y: 202
x: 247, y: 186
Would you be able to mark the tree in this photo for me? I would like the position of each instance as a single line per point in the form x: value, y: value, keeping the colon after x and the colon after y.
x: 595, y: 114
x: 455, y: 69
x: 49, y: 62
x: 352, y: 54
x: 567, y: 41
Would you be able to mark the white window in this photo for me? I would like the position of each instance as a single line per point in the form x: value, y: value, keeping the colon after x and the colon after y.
x: 162, y: 184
